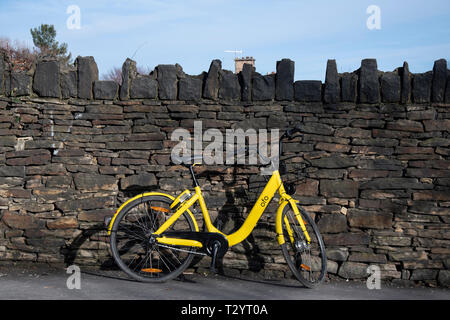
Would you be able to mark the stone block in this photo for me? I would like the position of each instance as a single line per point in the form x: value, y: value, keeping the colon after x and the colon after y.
x: 369, y: 219
x: 20, y: 84
x: 391, y: 240
x: 421, y: 115
x: 137, y: 145
x: 393, y: 183
x: 439, y: 80
x: 21, y: 221
x: 68, y: 81
x: 94, y: 182
x: 432, y: 195
x: 406, y: 79
x: 349, y: 87
x: 332, y: 223
x: 353, y: 270
x: 143, y: 87
x: 105, y: 90
x: 167, y: 81
x: 229, y: 87
x: 85, y: 204
x: 437, y: 125
x: 46, y: 81
x: 173, y: 184
x: 140, y: 181
x: 8, y: 141
x: 309, y: 187
x: 129, y: 72
x: 424, y: 274
x: 369, y: 86
x: 245, y: 80
x: 381, y: 164
x: 63, y: 223
x: 333, y: 147
x: 390, y: 87
x: 405, y: 125
x: 95, y: 215
x: 346, y: 239
x: 368, y: 257
x: 284, y: 80
x: 349, y: 132
x: 87, y: 73
x: 263, y: 87
x: 421, y: 87
x: 334, y: 162
x: 337, y: 254
x: 407, y: 255
x: 58, y: 182
x: 339, y: 188
x: 316, y: 128
x: 48, y: 169
x: 190, y: 88
x: 308, y: 90
x: 444, y: 278
x: 211, y: 85
x: 332, y: 88
x: 28, y: 157
x: 435, y: 142
x: 447, y: 89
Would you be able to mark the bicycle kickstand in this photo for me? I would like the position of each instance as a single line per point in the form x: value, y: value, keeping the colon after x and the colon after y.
x: 214, y: 252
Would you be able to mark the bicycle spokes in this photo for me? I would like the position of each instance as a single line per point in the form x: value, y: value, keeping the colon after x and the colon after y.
x: 136, y: 248
x: 303, y: 250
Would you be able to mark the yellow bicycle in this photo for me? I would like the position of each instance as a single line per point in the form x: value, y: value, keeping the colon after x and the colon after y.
x: 154, y: 236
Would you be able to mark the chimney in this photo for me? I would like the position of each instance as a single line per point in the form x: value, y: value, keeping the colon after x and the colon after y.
x: 239, y: 63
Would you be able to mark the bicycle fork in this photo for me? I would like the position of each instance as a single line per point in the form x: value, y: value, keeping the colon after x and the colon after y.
x: 284, y: 201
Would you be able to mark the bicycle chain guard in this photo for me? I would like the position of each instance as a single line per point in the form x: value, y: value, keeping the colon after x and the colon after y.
x: 206, y: 238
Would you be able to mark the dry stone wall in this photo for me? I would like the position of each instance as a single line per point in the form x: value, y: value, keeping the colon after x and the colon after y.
x: 73, y: 148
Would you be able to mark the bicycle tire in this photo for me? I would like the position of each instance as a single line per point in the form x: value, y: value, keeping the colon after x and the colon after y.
x: 160, y: 262
x: 301, y: 256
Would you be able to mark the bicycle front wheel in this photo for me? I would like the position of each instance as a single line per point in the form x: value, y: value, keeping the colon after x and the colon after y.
x: 133, y: 248
x: 306, y: 259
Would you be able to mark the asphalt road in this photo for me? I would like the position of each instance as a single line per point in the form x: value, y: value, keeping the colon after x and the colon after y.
x: 51, y: 284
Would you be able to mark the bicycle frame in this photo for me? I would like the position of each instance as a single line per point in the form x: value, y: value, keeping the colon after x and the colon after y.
x: 274, y: 184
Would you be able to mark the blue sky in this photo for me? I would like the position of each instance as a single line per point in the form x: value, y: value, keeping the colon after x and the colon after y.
x: 194, y: 32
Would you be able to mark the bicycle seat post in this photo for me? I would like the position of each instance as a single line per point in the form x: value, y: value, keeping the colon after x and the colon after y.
x: 194, y: 179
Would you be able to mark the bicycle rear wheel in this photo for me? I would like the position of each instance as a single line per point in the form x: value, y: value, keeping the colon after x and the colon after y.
x: 307, y: 260
x: 133, y: 248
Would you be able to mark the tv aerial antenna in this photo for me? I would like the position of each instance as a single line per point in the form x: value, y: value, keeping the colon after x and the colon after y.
x: 235, y: 52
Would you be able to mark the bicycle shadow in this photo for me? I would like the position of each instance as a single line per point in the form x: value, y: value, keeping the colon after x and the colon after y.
x: 72, y: 251
x: 232, y: 213
x: 96, y: 232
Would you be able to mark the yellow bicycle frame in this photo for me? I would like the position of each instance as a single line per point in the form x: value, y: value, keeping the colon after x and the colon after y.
x: 141, y: 196
x: 275, y: 184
